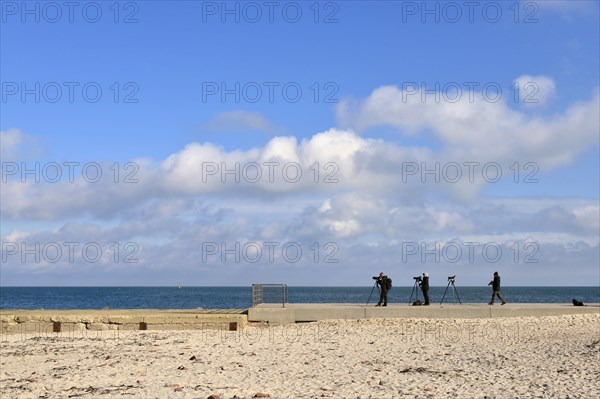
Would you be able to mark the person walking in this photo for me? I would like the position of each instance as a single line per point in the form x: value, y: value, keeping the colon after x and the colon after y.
x: 495, y: 283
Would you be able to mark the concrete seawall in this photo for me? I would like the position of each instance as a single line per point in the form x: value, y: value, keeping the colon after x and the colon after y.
x: 56, y: 321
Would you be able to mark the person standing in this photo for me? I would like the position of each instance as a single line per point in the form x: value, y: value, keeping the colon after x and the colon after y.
x: 425, y: 288
x: 495, y: 283
x: 384, y: 286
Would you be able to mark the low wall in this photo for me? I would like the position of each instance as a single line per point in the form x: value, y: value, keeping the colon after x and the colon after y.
x: 56, y: 321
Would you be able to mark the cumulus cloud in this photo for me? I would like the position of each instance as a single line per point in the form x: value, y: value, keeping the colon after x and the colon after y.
x: 535, y: 90
x: 328, y: 162
x: 10, y: 141
x: 475, y: 139
x: 356, y: 230
x: 15, y: 145
x: 358, y: 199
x: 481, y: 130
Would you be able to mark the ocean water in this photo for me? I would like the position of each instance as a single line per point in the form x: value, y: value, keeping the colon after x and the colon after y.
x: 241, y: 297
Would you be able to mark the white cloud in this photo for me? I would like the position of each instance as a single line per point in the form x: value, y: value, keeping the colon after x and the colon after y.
x: 480, y: 130
x: 587, y: 217
x: 367, y: 231
x: 10, y: 140
x: 15, y: 145
x: 368, y: 209
x: 535, y: 90
x: 334, y: 161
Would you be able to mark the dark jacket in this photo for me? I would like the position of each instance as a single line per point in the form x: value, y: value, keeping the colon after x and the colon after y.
x: 382, y: 282
x: 425, y: 284
x: 495, y: 283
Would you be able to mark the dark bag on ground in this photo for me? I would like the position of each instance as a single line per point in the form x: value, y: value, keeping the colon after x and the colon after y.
x: 577, y: 303
x: 417, y: 303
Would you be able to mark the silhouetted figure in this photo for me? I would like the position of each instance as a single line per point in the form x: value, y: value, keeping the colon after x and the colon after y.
x: 495, y: 283
x: 425, y: 288
x: 384, y: 286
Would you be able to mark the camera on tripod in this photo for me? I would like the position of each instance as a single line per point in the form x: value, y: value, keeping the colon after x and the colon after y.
x: 418, y: 278
x: 451, y: 278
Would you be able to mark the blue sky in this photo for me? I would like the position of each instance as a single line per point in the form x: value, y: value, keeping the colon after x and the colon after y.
x: 385, y: 74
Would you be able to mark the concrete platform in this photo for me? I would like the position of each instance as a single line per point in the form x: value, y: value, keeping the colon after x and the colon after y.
x: 296, y: 313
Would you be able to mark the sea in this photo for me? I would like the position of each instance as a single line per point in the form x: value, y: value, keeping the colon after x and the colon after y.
x: 182, y: 297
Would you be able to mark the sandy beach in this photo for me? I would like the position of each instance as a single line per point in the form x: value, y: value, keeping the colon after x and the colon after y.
x: 521, y: 357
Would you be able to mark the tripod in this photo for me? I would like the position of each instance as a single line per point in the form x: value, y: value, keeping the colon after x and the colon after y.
x: 373, y: 289
x: 454, y: 292
x: 414, y: 290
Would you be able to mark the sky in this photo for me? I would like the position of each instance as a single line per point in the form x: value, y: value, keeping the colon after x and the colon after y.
x: 206, y: 143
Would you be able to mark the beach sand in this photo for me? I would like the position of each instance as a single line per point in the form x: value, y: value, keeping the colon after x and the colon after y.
x: 521, y: 357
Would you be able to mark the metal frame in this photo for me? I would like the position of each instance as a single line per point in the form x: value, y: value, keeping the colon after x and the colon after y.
x: 258, y: 293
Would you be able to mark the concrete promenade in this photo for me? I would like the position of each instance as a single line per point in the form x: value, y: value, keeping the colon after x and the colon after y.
x: 48, y: 321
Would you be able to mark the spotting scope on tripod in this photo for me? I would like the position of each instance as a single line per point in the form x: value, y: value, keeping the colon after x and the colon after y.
x: 454, y: 292
x: 373, y: 289
x: 415, y: 289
